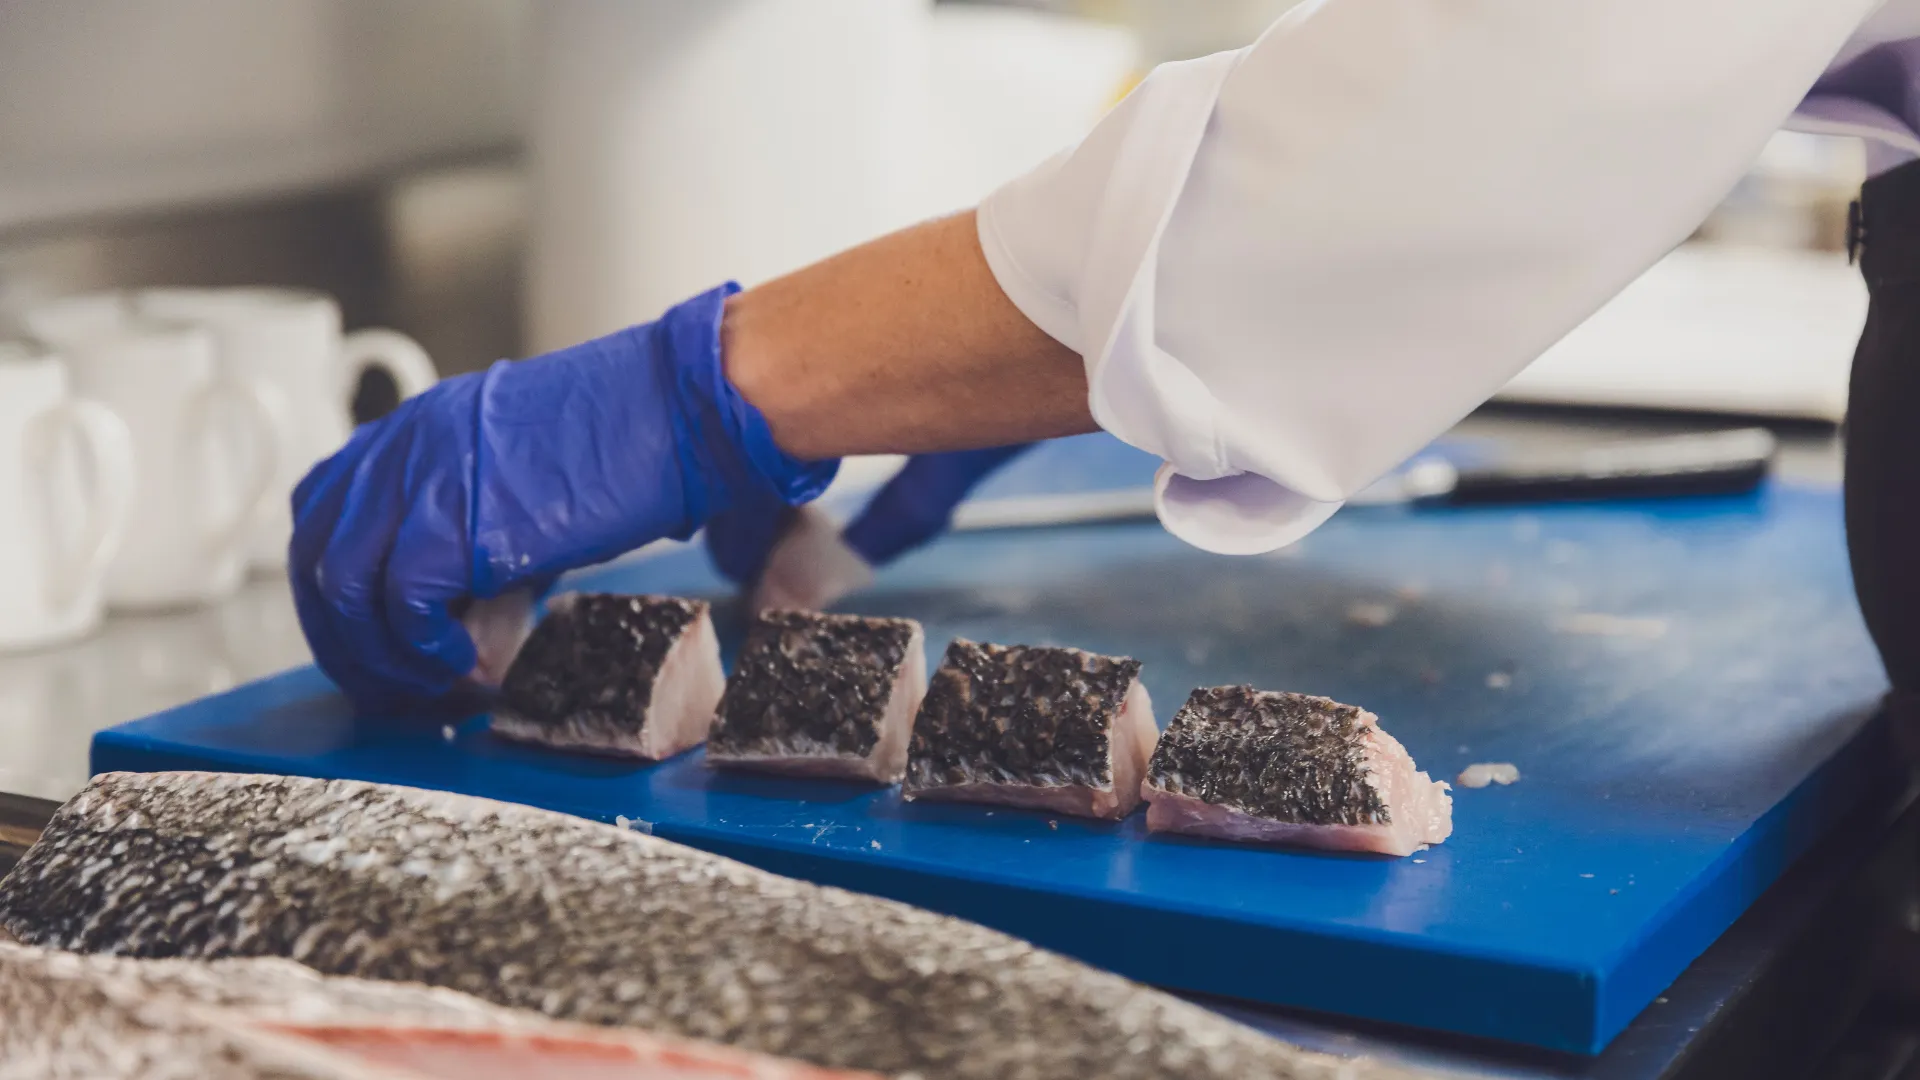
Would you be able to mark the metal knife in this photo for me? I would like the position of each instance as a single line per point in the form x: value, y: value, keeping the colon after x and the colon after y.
x: 1716, y: 463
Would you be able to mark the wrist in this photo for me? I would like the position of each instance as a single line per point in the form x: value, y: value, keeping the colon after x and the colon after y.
x: 762, y: 368
x: 735, y: 448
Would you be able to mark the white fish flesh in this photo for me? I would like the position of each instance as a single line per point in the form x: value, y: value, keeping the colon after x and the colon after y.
x: 810, y: 565
x: 499, y: 627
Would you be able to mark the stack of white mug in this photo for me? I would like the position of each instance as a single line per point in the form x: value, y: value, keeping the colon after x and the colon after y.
x: 150, y: 443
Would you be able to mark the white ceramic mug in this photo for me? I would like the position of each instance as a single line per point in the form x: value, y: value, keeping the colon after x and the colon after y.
x: 289, y: 341
x: 62, y: 513
x: 207, y: 442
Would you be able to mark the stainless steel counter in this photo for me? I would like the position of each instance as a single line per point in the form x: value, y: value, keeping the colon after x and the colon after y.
x: 51, y: 702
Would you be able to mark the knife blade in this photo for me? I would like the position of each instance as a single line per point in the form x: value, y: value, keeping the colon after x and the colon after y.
x: 1713, y: 463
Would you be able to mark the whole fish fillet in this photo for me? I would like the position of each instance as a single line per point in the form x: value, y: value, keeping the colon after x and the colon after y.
x: 69, y: 1015
x: 588, y: 922
x: 822, y: 695
x: 630, y: 676
x: 1243, y: 764
x: 1045, y: 728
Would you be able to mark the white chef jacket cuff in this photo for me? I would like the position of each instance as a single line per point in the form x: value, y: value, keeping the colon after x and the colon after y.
x: 1053, y: 314
x: 1244, y: 514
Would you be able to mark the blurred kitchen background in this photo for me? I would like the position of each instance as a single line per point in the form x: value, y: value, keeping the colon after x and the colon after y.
x: 497, y: 177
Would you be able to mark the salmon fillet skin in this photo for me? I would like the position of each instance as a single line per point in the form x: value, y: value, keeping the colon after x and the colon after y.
x: 1053, y: 729
x: 591, y: 923
x: 629, y: 676
x: 822, y: 695
x: 1243, y: 764
x: 99, y: 1017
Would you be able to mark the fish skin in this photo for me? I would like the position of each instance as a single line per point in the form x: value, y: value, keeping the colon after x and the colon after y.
x: 1291, y: 769
x: 1291, y: 757
x: 627, y: 676
x: 823, y: 695
x: 68, y: 1015
x: 94, y: 1016
x: 1042, y: 727
x: 586, y: 922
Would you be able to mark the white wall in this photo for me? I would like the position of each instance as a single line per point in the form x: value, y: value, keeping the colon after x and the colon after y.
x: 116, y: 105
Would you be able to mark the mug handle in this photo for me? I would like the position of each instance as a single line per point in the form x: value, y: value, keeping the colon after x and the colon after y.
x: 109, y: 448
x: 412, y: 369
x: 267, y: 418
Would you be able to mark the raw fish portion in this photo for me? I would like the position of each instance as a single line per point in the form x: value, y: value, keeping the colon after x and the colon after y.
x: 634, y: 676
x: 95, y: 1016
x: 810, y: 565
x: 822, y: 695
x: 1245, y: 764
x: 1044, y: 728
x: 588, y: 922
x: 498, y: 627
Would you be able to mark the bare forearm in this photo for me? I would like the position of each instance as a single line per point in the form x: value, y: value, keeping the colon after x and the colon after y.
x: 905, y: 344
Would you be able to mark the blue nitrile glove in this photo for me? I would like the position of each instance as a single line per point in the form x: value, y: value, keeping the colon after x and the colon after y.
x: 913, y: 508
x: 503, y: 479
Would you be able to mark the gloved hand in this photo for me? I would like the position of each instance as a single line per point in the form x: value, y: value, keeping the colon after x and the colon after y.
x: 501, y: 480
x: 910, y: 510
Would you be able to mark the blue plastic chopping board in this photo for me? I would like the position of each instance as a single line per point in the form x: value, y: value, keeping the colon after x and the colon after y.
x: 1685, y: 688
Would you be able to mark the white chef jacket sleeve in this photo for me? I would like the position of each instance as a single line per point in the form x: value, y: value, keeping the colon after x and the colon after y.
x: 1292, y: 266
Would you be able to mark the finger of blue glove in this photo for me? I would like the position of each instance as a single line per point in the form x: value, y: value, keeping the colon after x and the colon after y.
x: 363, y: 500
x: 367, y: 694
x: 917, y: 504
x: 740, y: 538
x: 316, y: 504
x: 426, y: 574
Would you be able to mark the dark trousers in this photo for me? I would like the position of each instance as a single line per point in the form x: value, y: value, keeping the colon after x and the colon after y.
x: 1883, y: 438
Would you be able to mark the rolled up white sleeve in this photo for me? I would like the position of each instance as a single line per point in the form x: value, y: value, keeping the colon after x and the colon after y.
x: 1292, y: 266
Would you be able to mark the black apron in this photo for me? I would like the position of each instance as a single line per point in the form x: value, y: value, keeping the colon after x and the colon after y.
x: 1883, y: 438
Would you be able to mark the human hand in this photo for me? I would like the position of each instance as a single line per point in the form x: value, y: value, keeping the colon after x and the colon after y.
x: 794, y: 557
x: 501, y: 480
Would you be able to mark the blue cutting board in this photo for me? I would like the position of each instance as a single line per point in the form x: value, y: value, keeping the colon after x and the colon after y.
x: 1686, y: 688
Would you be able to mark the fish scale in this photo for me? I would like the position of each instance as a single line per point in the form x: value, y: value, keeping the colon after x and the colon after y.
x: 598, y: 664
x: 592, y: 923
x: 808, y: 678
x: 1290, y: 757
x: 108, y: 1018
x: 1047, y: 720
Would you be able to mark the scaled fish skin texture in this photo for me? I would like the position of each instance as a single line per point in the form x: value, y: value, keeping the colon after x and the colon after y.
x: 71, y: 1015
x: 1238, y: 763
x: 587, y: 922
x: 1046, y: 728
x: 629, y: 676
x: 822, y: 695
